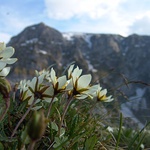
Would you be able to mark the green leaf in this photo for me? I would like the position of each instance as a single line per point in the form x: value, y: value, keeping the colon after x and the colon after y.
x: 90, y: 143
x: 73, y: 125
x: 119, y: 132
x: 24, y: 137
x: 1, y: 146
x: 133, y: 141
x: 22, y: 106
x: 60, y: 142
x: 62, y: 132
x: 54, y: 126
x: 6, y: 139
x: 36, y: 108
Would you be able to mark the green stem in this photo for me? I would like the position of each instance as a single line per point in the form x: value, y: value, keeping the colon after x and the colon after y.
x: 64, y: 113
x: 31, y: 146
x: 7, y: 107
x: 92, y: 107
x: 23, y: 117
x: 119, y: 132
x: 50, y: 106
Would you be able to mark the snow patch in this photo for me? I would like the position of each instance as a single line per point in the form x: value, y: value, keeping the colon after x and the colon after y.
x: 31, y: 41
x: 23, y: 44
x: 91, y: 67
x: 128, y: 113
x: 136, y: 100
x: 68, y: 36
x: 118, y: 37
x: 34, y: 40
x: 42, y: 52
x: 86, y: 37
x: 125, y: 51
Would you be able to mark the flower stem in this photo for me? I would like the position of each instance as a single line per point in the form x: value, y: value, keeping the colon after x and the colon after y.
x: 31, y: 146
x: 50, y: 106
x: 7, y: 107
x: 64, y: 113
x: 92, y: 107
x: 23, y: 117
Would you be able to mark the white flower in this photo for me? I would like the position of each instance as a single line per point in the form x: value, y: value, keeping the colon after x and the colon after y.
x: 110, y: 129
x: 46, y: 91
x: 101, y: 95
x: 39, y: 90
x: 5, y: 54
x: 44, y: 72
x: 89, y: 92
x: 74, y: 74
x: 142, y: 146
x: 35, y: 89
x: 79, y: 85
x: 59, y: 84
x: 25, y: 93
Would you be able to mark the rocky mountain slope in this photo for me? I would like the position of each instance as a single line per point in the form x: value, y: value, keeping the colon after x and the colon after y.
x: 112, y: 59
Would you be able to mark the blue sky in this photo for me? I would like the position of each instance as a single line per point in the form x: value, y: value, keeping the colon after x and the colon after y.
x: 122, y: 17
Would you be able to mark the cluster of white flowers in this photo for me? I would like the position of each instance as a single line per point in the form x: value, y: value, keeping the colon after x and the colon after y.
x: 74, y: 84
x: 5, y: 54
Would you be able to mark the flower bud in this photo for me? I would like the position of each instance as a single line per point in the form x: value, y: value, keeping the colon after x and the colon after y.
x: 37, y: 125
x: 5, y: 87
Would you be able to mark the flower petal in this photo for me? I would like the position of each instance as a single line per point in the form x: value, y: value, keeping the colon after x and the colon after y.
x: 81, y: 96
x: 62, y: 82
x: 5, y: 72
x: 102, y: 93
x: 76, y: 74
x: 49, y: 91
x: 8, y: 52
x: 32, y: 83
x: 53, y: 76
x: 69, y: 85
x: 9, y: 60
x: 2, y: 65
x: 2, y: 46
x: 32, y: 99
x: 40, y: 79
x: 92, y: 90
x: 109, y: 99
x: 70, y: 71
x: 84, y: 81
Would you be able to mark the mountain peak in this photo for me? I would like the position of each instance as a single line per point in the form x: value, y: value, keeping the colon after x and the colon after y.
x: 106, y: 56
x: 39, y: 31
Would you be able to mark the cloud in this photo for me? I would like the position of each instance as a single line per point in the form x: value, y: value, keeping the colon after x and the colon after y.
x: 119, y: 16
x: 95, y: 16
x: 90, y: 16
x: 100, y: 26
x: 141, y: 24
x: 66, y: 9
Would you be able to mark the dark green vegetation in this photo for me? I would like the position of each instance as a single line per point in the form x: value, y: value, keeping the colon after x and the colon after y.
x: 82, y: 128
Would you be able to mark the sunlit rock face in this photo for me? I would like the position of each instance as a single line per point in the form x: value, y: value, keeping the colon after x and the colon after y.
x: 112, y: 59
